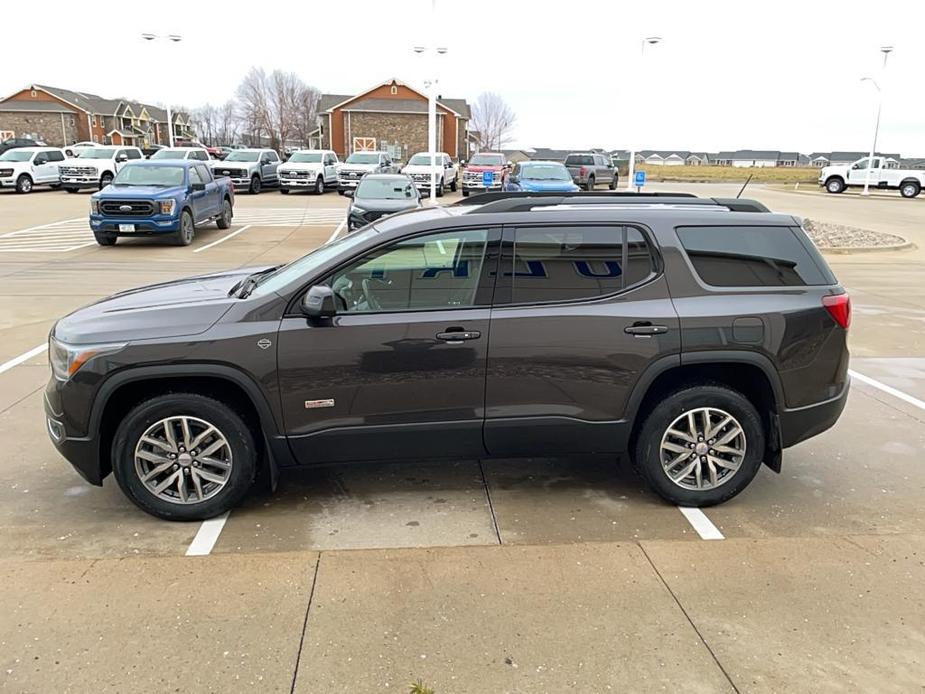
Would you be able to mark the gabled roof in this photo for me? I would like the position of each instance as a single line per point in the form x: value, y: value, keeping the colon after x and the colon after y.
x: 329, y: 102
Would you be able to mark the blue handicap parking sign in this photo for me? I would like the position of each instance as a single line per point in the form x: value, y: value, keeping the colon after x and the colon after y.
x: 488, y: 178
x: 639, y: 178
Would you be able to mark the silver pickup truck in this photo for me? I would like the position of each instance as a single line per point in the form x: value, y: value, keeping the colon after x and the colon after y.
x: 589, y: 168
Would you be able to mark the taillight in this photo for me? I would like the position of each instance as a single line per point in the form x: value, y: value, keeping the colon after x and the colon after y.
x: 839, y: 307
x: 582, y: 171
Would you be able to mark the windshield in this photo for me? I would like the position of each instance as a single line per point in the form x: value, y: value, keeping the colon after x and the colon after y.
x: 386, y: 189
x: 545, y: 172
x: 150, y: 176
x: 169, y: 154
x: 306, y: 158
x: 488, y: 160
x: 15, y: 155
x: 307, y: 264
x: 96, y: 153
x: 424, y: 160
x: 363, y: 158
x: 238, y: 155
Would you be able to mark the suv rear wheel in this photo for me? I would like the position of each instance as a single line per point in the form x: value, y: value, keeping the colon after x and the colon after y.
x: 183, y: 456
x: 700, y: 445
x: 590, y: 184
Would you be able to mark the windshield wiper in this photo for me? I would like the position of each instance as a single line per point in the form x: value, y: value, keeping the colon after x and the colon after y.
x: 244, y: 288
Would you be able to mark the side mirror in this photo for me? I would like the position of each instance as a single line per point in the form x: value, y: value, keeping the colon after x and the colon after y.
x: 510, y: 164
x: 122, y: 157
x: 348, y: 193
x: 197, y: 186
x: 462, y: 162
x: 318, y: 302
x: 38, y: 161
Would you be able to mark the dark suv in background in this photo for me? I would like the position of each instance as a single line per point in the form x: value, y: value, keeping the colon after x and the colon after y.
x: 700, y: 336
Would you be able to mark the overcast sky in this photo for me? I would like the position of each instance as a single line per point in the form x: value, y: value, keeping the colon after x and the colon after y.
x: 727, y: 75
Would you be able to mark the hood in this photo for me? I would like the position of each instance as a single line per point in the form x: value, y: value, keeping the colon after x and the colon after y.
x: 382, y: 205
x: 172, y: 309
x: 114, y: 190
x: 533, y: 185
x: 16, y: 165
x: 423, y: 169
x: 480, y: 169
x: 218, y: 164
x: 359, y: 167
x: 74, y: 161
x: 300, y: 166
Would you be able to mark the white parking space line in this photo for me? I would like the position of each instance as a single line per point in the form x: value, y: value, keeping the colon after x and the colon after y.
x: 905, y: 397
x: 223, y: 239
x: 703, y: 525
x: 337, y: 231
x: 207, y: 536
x: 26, y: 356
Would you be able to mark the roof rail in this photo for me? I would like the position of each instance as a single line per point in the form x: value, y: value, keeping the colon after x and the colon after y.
x: 524, y: 202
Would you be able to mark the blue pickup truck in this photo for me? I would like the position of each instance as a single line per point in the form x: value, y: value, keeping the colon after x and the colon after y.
x: 154, y: 198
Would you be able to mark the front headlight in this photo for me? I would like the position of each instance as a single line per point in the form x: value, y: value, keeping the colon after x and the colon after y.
x: 94, y: 206
x: 357, y: 209
x: 168, y: 206
x: 66, y: 360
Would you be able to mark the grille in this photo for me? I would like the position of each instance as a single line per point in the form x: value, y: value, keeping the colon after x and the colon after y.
x: 137, y: 208
x: 294, y: 174
x: 77, y: 171
x: 233, y: 173
x: 351, y: 174
x: 6, y: 172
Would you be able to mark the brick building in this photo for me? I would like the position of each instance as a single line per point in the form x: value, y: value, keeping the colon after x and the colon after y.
x: 62, y: 116
x: 393, y: 117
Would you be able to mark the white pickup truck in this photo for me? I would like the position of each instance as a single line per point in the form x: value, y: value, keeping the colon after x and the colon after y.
x: 835, y: 179
x: 446, y: 173
x: 95, y: 167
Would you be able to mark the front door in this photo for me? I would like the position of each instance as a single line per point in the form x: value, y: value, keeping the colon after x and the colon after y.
x: 579, y: 313
x: 400, y: 370
x: 199, y: 199
x: 857, y: 174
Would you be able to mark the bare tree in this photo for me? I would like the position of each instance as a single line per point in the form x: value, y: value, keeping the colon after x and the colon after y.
x: 278, y: 106
x: 305, y: 113
x: 206, y: 120
x: 254, y: 104
x: 228, y: 123
x: 494, y: 121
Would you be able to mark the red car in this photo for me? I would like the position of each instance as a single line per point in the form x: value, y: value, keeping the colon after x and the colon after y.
x: 474, y: 174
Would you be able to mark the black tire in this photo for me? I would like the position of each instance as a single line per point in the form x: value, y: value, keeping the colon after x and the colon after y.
x: 340, y: 191
x: 24, y: 184
x: 439, y: 190
x: 284, y: 191
x: 71, y: 190
x: 184, y: 235
x: 835, y: 185
x: 613, y: 182
x: 224, y: 220
x: 590, y: 184
x: 54, y: 186
x: 105, y: 179
x: 454, y: 185
x: 319, y: 186
x: 909, y: 189
x: 104, y: 238
x: 231, y: 425
x: 465, y: 193
x: 647, y: 453
x: 255, y: 185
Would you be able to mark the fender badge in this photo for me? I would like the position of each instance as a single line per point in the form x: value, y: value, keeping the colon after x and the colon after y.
x: 315, y: 404
x: 264, y: 343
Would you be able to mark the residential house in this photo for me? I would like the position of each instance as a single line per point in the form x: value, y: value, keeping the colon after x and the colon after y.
x: 391, y: 116
x: 912, y: 163
x: 63, y: 116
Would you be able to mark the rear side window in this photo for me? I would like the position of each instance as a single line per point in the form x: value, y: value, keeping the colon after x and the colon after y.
x: 571, y: 263
x: 742, y: 256
x: 133, y: 154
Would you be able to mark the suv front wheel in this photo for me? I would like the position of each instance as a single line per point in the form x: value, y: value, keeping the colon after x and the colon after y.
x: 183, y: 456
x: 700, y: 445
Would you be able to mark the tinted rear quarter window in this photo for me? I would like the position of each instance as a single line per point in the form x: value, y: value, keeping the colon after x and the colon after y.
x: 579, y: 160
x: 758, y: 256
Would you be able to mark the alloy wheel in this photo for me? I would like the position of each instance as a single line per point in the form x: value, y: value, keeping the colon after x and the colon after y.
x: 702, y: 448
x: 183, y: 460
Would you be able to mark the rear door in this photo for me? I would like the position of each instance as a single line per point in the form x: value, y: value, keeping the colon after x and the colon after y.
x: 579, y: 312
x: 213, y: 196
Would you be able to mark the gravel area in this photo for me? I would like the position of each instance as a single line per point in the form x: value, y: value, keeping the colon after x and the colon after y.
x: 828, y: 235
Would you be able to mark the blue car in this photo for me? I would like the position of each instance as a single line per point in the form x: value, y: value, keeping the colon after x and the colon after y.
x: 161, y: 198
x: 540, y: 177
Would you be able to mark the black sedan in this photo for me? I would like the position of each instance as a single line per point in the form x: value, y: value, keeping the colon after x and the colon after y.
x: 379, y: 195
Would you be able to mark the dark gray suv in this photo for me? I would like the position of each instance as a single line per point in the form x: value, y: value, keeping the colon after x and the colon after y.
x: 699, y: 336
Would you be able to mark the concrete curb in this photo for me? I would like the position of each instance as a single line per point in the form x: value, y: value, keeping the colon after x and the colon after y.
x: 846, y: 250
x: 788, y: 188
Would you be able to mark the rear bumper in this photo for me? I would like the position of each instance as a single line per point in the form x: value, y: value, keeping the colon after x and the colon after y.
x: 159, y: 224
x: 802, y: 423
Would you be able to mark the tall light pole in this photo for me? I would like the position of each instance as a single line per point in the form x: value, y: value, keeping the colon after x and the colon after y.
x: 886, y: 50
x: 173, y: 38
x: 651, y: 41
x: 431, y: 85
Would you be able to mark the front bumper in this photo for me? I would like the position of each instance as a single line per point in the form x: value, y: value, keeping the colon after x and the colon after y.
x: 81, y: 452
x: 80, y: 182
x: 143, y: 226
x: 297, y: 183
x: 348, y: 183
x: 473, y: 185
x: 801, y: 423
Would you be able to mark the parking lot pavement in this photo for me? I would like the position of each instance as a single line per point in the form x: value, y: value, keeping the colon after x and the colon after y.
x: 595, y: 582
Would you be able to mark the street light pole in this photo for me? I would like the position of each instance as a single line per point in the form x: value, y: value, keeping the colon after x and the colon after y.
x: 886, y: 50
x: 173, y: 38
x: 431, y: 86
x: 652, y: 41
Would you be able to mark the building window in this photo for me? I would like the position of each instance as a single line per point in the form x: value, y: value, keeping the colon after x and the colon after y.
x: 394, y: 90
x: 94, y: 121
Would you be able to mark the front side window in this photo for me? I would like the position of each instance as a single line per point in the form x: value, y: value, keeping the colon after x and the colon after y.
x: 436, y: 271
x: 194, y: 175
x: 134, y: 154
x: 572, y: 263
x: 741, y: 256
x: 55, y: 156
